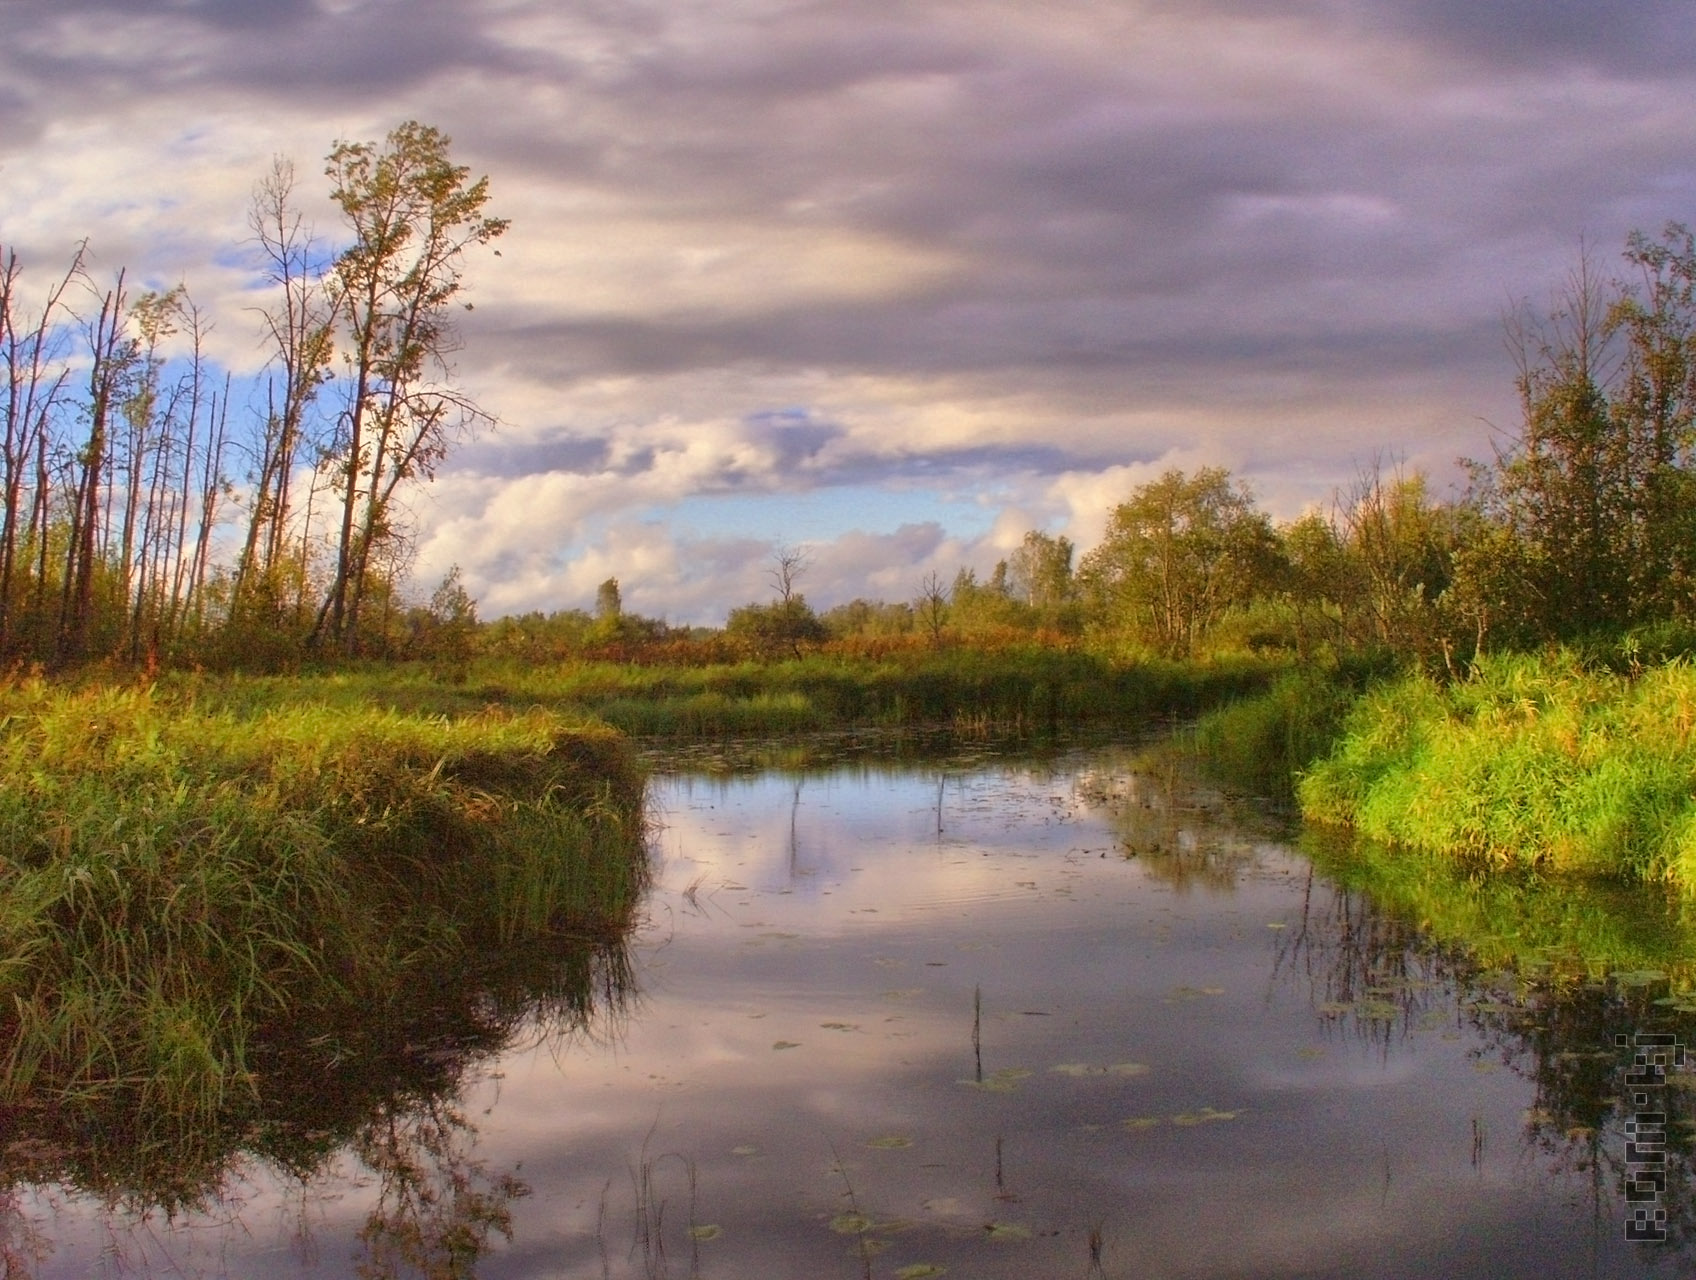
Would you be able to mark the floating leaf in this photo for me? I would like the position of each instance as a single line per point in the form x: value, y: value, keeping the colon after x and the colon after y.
x: 1003, y: 1081
x: 1377, y: 1011
x: 744, y: 1151
x: 706, y: 1231
x: 1207, y: 1115
x: 1639, y: 977
x: 1137, y: 1123
x: 1006, y: 1231
x: 1127, y: 1069
x: 840, y: 1026
x: 785, y: 1044
x: 850, y: 1224
x: 891, y: 1142
x: 919, y: 1270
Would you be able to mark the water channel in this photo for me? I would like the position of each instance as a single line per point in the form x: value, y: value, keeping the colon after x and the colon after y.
x: 986, y: 1016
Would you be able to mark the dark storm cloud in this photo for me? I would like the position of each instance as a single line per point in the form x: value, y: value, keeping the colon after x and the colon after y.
x: 293, y: 49
x: 1626, y: 39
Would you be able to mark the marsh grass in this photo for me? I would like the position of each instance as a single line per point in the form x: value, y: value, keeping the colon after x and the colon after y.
x: 178, y: 878
x: 1031, y: 691
x: 1533, y: 762
x: 1263, y: 741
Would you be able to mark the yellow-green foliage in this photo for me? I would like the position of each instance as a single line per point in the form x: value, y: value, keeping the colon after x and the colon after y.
x: 174, y: 876
x: 1530, y: 762
x: 1035, y: 689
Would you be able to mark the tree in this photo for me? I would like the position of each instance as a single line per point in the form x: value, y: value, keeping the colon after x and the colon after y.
x: 788, y: 564
x: 1655, y: 404
x: 1177, y: 554
x: 413, y: 214
x: 782, y: 626
x: 35, y: 380
x: 931, y: 606
x: 1039, y: 573
x: 300, y: 325
x: 609, y: 605
x: 1398, y: 547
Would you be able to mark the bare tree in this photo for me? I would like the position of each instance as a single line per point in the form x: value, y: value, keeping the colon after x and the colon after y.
x: 300, y: 325
x: 788, y: 565
x: 34, y: 382
x: 931, y: 606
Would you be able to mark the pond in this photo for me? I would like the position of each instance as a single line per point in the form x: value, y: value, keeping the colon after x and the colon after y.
x: 984, y: 1017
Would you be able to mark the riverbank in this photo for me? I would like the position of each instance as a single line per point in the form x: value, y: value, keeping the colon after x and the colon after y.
x: 1542, y: 763
x: 179, y: 876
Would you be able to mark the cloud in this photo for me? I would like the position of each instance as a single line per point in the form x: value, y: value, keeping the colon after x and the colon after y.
x: 978, y: 252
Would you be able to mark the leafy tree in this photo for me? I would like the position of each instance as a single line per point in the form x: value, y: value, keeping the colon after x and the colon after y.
x: 1179, y: 553
x: 609, y: 605
x: 783, y: 626
x: 413, y: 214
x: 1655, y: 405
x: 1320, y: 580
x: 1398, y: 545
x: 1039, y: 573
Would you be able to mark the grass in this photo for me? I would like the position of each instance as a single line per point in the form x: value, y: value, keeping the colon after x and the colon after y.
x: 1262, y: 742
x: 1533, y: 763
x: 1031, y: 691
x: 180, y: 879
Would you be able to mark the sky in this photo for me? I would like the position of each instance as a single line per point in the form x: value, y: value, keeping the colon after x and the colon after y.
x: 888, y: 281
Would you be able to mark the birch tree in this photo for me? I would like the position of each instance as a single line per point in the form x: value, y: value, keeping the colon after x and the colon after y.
x: 413, y: 214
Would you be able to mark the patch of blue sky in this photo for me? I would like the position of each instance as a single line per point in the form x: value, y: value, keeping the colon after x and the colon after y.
x: 824, y: 515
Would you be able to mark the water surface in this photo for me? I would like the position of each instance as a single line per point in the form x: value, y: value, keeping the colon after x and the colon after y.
x: 986, y: 1018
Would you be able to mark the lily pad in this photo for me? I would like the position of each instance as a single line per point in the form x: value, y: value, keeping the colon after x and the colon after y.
x: 785, y: 1044
x: 920, y: 1270
x: 1639, y: 977
x: 1003, y: 1081
x: 1006, y: 1231
x: 1137, y: 1123
x: 850, y: 1224
x: 706, y: 1231
x: 1207, y: 1115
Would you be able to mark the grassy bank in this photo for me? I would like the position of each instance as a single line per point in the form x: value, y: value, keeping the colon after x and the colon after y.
x: 1033, y: 690
x: 179, y: 878
x: 1537, y: 763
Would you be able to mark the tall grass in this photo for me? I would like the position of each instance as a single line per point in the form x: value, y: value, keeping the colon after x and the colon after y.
x: 176, y: 878
x: 1537, y: 762
x: 1263, y: 741
x: 1034, y: 690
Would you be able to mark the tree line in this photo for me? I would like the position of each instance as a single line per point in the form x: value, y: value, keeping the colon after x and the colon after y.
x: 1580, y: 525
x: 122, y: 532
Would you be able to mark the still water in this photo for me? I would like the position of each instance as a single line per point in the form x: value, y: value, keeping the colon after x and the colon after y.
x: 984, y: 1017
